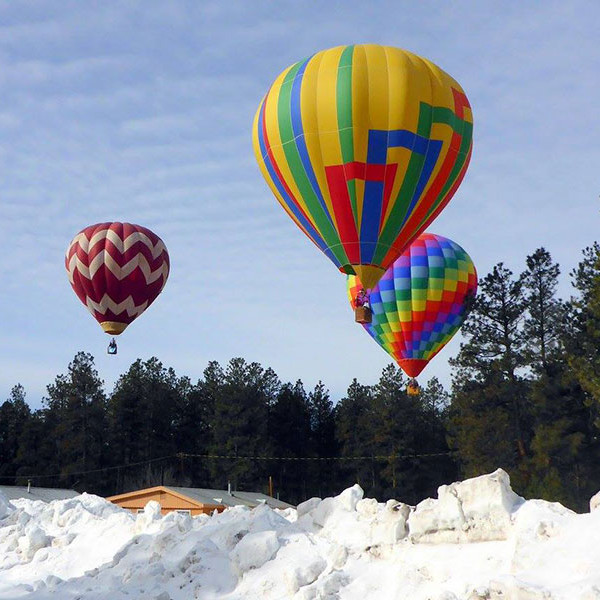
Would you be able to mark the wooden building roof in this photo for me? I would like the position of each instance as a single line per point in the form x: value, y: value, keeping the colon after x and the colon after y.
x: 15, y: 492
x: 204, y: 497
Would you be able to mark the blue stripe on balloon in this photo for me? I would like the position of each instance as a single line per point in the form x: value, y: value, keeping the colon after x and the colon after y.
x: 377, y: 147
x: 298, y: 129
x: 386, y: 284
x: 371, y: 217
x: 379, y: 142
x: 431, y: 157
x: 419, y: 260
x: 290, y: 203
x: 401, y: 138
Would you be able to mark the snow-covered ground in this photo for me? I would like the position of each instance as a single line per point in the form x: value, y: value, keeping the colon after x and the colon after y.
x: 478, y: 540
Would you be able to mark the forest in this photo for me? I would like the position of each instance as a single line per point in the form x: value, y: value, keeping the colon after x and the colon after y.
x: 525, y: 396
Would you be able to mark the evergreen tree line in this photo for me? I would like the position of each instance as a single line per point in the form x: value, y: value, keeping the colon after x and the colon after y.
x: 84, y: 438
x: 525, y: 397
x: 526, y: 385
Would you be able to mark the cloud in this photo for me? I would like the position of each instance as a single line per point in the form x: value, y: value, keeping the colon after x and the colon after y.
x: 142, y: 112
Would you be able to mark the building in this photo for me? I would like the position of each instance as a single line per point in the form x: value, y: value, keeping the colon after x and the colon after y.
x: 16, y: 492
x: 193, y: 501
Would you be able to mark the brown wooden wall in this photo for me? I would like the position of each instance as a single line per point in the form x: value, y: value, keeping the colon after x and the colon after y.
x: 167, y: 501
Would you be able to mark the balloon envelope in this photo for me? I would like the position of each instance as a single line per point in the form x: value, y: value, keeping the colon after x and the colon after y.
x: 363, y: 146
x: 117, y: 270
x: 421, y: 300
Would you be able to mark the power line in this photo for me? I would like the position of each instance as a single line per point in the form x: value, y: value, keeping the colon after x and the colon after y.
x: 308, y: 458
x: 135, y: 464
x: 182, y: 455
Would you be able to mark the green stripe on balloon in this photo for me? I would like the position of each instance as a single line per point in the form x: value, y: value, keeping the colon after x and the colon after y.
x: 407, y: 190
x: 344, y: 104
x: 290, y: 148
x: 465, y: 130
x: 343, y: 96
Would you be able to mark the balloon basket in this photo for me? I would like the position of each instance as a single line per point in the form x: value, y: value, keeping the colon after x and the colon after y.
x: 362, y: 315
x: 413, y: 389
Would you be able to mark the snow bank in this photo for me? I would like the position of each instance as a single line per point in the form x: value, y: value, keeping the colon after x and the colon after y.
x: 5, y: 506
x: 476, y: 510
x: 477, y: 540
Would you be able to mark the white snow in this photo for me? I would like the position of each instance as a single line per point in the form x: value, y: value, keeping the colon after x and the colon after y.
x: 254, y: 550
x: 477, y: 541
x: 5, y: 506
x: 476, y: 510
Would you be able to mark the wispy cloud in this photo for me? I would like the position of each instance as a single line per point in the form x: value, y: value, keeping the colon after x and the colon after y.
x: 142, y: 111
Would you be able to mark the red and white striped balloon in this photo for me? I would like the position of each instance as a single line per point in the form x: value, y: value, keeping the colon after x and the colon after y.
x: 117, y: 270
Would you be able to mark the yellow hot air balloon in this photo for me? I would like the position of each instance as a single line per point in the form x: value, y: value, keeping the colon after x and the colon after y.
x: 363, y: 146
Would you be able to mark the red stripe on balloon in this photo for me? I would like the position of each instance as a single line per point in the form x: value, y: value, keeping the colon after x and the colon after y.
x: 342, y: 209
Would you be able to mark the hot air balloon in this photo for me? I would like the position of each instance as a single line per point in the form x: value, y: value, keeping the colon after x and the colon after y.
x: 363, y: 146
x: 421, y: 301
x: 117, y: 270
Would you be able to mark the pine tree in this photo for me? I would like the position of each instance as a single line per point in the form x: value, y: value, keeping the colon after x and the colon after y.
x: 493, y: 328
x: 355, y: 437
x: 191, y: 431
x: 142, y: 414
x: 544, y: 319
x: 434, y: 471
x: 289, y: 431
x: 565, y: 449
x: 490, y: 423
x: 36, y: 453
x: 394, y: 422
x: 75, y: 410
x: 14, y: 416
x: 325, y: 474
x: 566, y: 397
x: 435, y: 401
x: 583, y: 335
x: 240, y: 423
x: 561, y: 448
x: 481, y: 427
x: 322, y: 421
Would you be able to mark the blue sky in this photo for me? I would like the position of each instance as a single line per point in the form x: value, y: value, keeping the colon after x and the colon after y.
x: 141, y: 111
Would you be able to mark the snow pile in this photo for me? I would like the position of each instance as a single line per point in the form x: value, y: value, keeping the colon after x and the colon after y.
x: 476, y: 510
x: 478, y: 540
x: 5, y: 506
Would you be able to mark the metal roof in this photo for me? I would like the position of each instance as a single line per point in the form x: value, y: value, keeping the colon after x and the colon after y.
x: 258, y: 498
x: 15, y: 492
x: 208, y: 496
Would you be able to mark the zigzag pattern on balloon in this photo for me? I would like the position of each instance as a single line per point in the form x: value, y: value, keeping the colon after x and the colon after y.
x: 122, y: 244
x: 121, y: 256
x: 108, y: 307
x: 120, y: 271
x: 117, y: 270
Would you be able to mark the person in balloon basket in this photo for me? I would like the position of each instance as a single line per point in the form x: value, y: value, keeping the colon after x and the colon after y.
x: 112, y: 347
x: 412, y: 387
x: 362, y: 306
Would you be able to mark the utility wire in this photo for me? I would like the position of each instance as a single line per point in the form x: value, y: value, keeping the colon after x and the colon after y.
x: 135, y: 464
x: 372, y: 457
x: 182, y: 455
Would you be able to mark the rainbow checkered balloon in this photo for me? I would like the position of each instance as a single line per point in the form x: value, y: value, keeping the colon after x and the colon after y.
x: 420, y: 302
